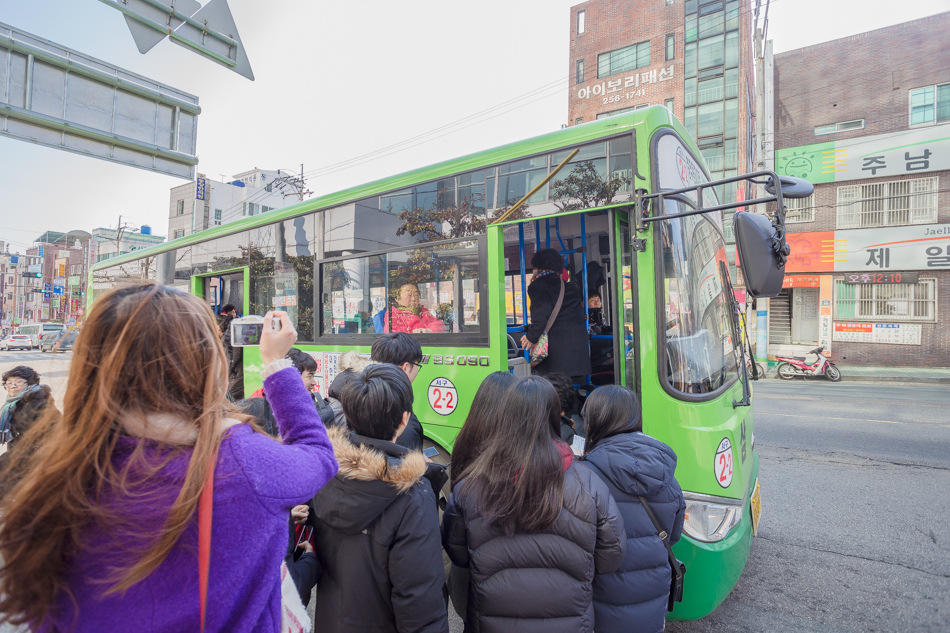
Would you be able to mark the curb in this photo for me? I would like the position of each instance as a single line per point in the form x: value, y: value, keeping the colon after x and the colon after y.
x: 933, y: 380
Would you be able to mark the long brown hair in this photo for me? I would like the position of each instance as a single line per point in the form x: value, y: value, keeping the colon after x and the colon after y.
x: 518, y: 479
x: 481, y: 422
x: 145, y: 349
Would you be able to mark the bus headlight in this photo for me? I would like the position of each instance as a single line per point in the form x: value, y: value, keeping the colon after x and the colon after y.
x: 708, y: 518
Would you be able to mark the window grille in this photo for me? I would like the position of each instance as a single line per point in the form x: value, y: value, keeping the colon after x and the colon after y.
x: 892, y: 203
x: 800, y: 210
x: 886, y: 302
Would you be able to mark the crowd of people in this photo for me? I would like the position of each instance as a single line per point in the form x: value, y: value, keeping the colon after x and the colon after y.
x: 152, y: 498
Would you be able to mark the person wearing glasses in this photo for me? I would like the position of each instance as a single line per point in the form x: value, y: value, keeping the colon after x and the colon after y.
x: 402, y: 350
x: 26, y: 401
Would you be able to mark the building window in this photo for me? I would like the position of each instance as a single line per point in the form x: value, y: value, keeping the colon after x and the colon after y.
x: 844, y: 126
x: 669, y: 104
x: 269, y: 187
x: 623, y: 59
x: 886, y: 302
x: 179, y: 233
x: 892, y: 203
x: 578, y: 120
x: 800, y: 210
x: 580, y: 71
x: 181, y: 207
x: 670, y: 47
x: 581, y: 22
x: 217, y: 217
x: 930, y: 105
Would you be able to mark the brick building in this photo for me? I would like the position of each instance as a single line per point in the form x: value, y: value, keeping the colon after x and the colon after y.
x: 694, y: 57
x: 866, y: 119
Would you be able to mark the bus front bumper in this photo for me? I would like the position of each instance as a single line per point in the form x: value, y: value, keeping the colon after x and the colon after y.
x: 712, y: 569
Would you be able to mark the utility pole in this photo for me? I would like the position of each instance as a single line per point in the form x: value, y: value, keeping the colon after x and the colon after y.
x: 295, y: 184
x: 760, y: 82
x: 120, y: 229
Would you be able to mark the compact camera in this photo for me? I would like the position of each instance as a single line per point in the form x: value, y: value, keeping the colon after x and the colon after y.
x: 246, y: 331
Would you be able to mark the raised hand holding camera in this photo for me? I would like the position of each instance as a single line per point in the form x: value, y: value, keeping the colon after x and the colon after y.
x: 278, y: 336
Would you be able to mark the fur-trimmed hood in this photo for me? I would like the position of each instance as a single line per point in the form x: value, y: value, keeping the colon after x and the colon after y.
x: 370, y: 479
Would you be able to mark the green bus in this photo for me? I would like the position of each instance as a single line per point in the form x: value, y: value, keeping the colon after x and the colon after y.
x: 629, y: 193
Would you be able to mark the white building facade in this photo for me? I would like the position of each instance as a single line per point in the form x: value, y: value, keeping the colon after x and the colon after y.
x: 205, y: 203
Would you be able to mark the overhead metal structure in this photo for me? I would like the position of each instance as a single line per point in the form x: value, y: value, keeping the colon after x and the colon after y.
x: 209, y: 31
x: 54, y: 96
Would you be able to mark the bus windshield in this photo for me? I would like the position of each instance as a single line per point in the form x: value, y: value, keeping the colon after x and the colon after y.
x: 695, y: 296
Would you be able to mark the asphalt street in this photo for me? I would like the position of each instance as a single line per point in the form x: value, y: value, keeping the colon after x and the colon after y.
x: 855, y: 530
x: 854, y: 535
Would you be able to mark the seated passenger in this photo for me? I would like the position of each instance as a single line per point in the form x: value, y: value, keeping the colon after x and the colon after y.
x: 409, y: 316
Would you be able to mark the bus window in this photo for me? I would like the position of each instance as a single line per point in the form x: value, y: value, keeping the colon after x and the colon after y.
x: 432, y: 289
x: 281, y: 271
x: 224, y: 253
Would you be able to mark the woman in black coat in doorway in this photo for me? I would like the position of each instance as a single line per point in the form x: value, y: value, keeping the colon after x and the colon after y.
x: 568, y: 343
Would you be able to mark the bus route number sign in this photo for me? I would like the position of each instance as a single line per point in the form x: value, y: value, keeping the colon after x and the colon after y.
x: 443, y: 396
x: 723, y: 463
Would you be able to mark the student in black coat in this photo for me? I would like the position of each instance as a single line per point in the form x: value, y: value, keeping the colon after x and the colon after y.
x: 568, y: 342
x: 377, y: 523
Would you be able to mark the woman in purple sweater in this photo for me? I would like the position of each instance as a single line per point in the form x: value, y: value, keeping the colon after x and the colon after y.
x: 100, y: 532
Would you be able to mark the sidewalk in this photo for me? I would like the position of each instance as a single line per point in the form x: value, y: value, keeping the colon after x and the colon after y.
x: 939, y: 375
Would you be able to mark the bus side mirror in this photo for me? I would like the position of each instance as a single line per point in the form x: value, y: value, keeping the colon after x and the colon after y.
x: 762, y: 254
x: 791, y: 187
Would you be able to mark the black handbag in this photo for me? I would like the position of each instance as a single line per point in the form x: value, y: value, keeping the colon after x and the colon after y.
x: 678, y: 567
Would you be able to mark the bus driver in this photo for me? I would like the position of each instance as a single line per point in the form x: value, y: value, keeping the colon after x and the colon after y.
x: 408, y: 315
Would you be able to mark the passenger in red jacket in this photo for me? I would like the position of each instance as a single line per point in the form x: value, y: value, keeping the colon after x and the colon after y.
x: 408, y: 315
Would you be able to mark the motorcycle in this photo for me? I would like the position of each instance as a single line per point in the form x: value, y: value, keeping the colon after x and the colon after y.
x: 790, y: 367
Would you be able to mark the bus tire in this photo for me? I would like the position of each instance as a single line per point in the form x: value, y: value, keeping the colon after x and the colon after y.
x: 786, y: 372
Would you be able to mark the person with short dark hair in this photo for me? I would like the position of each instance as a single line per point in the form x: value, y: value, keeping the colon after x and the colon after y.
x: 633, y: 465
x: 259, y: 408
x: 376, y: 523
x: 229, y: 309
x: 409, y: 315
x: 400, y: 349
x: 26, y: 401
x: 568, y: 347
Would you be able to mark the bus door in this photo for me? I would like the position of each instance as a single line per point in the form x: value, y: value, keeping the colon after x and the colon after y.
x: 591, y: 247
x: 222, y: 288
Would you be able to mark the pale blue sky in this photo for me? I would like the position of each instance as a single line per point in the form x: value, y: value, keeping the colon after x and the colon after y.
x: 335, y: 81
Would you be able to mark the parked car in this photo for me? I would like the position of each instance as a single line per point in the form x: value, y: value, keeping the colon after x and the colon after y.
x: 20, y: 341
x: 4, y: 341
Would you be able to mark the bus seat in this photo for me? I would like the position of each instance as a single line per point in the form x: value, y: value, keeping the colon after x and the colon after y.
x: 379, y: 321
x: 519, y: 367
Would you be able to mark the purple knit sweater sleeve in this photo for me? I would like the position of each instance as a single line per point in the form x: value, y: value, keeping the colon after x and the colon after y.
x: 292, y: 472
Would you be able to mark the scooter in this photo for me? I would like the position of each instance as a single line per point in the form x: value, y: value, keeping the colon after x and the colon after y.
x: 789, y: 368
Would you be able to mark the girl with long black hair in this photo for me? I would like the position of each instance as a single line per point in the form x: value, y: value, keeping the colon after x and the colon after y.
x: 531, y: 525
